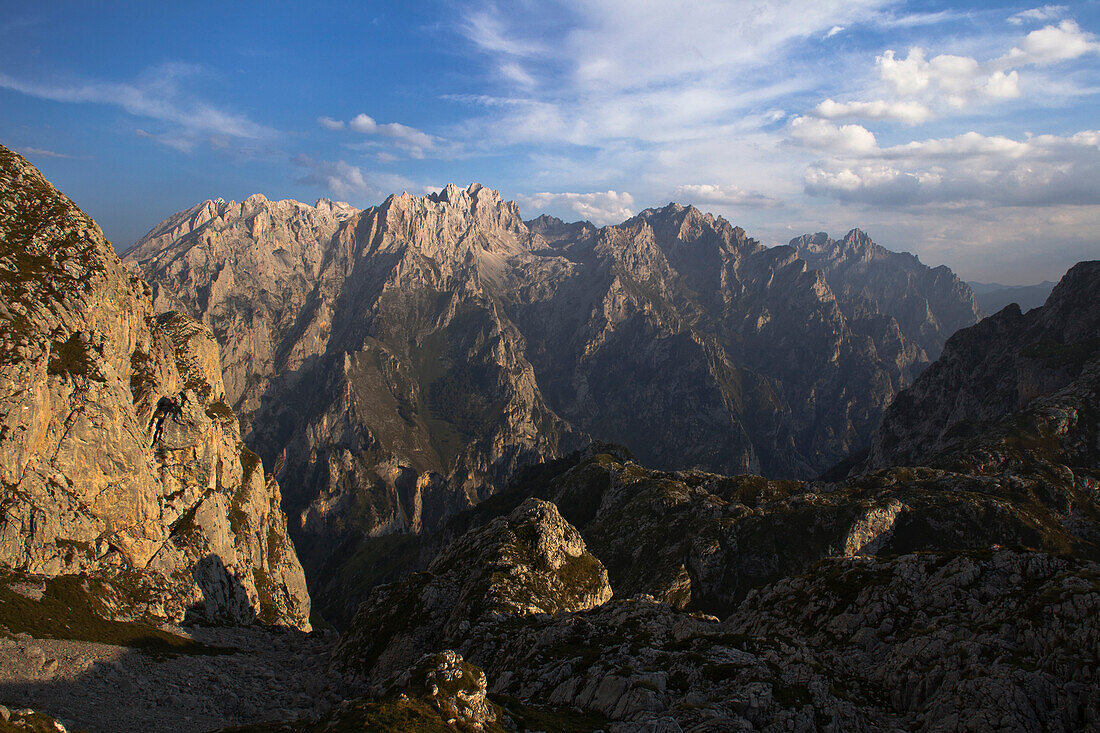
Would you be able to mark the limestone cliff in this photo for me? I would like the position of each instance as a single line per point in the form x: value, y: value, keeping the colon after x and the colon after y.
x: 120, y: 458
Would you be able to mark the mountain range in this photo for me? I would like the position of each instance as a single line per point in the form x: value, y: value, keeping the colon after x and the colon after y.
x: 429, y: 386
x: 992, y: 297
x: 397, y: 364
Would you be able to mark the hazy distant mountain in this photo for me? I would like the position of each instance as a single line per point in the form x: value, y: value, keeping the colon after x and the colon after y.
x: 399, y: 363
x: 992, y: 297
x: 929, y: 303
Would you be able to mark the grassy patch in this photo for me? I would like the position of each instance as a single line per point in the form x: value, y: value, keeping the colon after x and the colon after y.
x: 69, y: 609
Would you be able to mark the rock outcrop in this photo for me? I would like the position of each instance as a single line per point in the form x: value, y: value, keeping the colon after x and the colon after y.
x: 531, y: 562
x: 120, y: 458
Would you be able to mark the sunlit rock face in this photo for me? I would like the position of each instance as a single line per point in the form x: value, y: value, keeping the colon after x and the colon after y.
x: 120, y: 457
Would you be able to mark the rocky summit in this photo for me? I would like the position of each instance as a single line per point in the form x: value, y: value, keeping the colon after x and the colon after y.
x: 435, y: 382
x: 398, y: 364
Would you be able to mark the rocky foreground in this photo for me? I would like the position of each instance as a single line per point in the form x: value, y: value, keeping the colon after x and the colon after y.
x: 959, y: 592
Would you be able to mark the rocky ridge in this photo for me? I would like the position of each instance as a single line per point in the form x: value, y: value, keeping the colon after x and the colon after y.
x: 873, y: 283
x: 120, y: 460
x: 956, y: 595
x: 415, y: 354
x: 992, y: 370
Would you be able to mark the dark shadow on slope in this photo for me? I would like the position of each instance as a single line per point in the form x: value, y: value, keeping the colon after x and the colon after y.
x: 158, y: 680
x: 223, y: 595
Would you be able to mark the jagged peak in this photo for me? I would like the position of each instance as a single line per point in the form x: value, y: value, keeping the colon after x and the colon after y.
x: 476, y: 200
x: 452, y: 194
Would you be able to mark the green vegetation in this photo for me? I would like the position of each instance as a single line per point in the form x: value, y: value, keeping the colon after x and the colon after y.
x: 71, y: 358
x: 71, y: 608
x: 142, y: 374
x: 220, y: 410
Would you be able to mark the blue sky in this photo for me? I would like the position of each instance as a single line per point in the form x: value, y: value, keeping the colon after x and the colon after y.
x: 968, y: 133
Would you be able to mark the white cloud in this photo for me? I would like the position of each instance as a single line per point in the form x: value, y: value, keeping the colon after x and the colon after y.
x: 947, y: 78
x: 834, y: 31
x: 1052, y: 44
x: 601, y: 207
x: 413, y: 141
x: 952, y: 82
x: 339, y: 178
x: 486, y: 28
x: 820, y: 135
x: 909, y: 112
x: 516, y: 73
x: 913, y: 20
x: 42, y: 153
x: 662, y: 73
x: 724, y: 195
x: 156, y: 95
x: 1040, y: 14
x: 968, y: 169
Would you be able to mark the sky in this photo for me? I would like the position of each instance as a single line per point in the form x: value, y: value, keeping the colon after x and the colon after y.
x: 966, y: 133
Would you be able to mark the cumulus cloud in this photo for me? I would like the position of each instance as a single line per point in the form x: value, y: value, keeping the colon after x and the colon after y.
x: 724, y: 195
x: 821, y: 135
x: 330, y: 124
x: 924, y: 87
x: 1052, y: 44
x: 157, y: 94
x: 911, y: 113
x: 600, y: 207
x: 959, y: 81
x: 968, y: 169
x: 956, y: 80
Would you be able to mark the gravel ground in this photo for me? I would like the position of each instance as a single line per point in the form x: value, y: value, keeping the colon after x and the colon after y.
x: 256, y: 675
